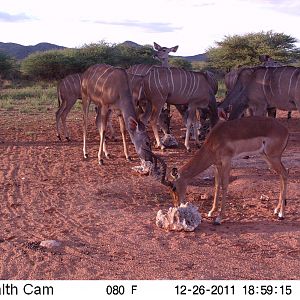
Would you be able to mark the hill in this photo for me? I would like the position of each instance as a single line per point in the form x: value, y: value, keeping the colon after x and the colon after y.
x: 20, y: 52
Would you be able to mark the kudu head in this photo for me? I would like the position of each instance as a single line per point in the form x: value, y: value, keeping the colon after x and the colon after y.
x: 176, y: 187
x: 165, y: 120
x: 162, y: 53
x: 235, y: 101
x: 140, y: 139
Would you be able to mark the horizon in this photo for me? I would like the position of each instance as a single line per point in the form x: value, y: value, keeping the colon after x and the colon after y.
x: 194, y: 25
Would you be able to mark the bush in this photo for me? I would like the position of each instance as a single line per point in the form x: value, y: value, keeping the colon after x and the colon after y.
x: 56, y: 64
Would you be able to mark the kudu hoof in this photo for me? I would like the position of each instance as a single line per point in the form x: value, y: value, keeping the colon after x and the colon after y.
x: 280, y: 218
x: 85, y: 156
x: 129, y: 158
x: 58, y: 136
x: 68, y: 139
x: 188, y: 150
x: 101, y: 162
x: 215, y: 222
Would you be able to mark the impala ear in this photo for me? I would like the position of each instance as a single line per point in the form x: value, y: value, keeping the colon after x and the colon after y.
x: 174, y: 173
x: 132, y: 124
x: 174, y: 49
x: 156, y: 46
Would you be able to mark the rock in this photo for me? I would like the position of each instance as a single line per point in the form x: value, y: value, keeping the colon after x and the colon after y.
x: 185, y: 217
x: 50, y: 244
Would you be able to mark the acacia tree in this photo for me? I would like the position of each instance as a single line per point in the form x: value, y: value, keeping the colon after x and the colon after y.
x: 244, y: 50
x: 7, y: 65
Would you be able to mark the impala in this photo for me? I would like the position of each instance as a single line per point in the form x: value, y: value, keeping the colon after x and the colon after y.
x: 108, y: 88
x: 227, y: 140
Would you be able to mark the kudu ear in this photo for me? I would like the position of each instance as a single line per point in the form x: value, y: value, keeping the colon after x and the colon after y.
x: 174, y: 173
x: 174, y: 49
x: 132, y: 124
x: 156, y: 46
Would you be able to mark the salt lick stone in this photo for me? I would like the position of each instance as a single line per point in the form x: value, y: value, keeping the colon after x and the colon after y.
x: 145, y: 168
x: 185, y: 217
x: 169, y: 141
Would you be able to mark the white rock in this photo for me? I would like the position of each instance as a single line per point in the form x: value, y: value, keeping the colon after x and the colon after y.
x: 50, y: 244
x: 185, y: 217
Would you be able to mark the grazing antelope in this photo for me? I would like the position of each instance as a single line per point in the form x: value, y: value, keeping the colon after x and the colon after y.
x: 261, y: 87
x: 177, y: 86
x: 108, y: 87
x: 68, y: 92
x: 267, y: 61
x: 227, y: 140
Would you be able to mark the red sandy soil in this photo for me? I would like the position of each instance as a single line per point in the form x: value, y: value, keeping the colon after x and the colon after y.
x: 105, y: 215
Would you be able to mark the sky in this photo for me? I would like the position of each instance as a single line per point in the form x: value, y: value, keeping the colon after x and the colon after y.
x: 194, y: 25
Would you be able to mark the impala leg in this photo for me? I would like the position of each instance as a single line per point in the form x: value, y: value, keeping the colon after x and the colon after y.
x: 224, y: 176
x: 122, y: 128
x: 217, y: 191
x: 277, y: 165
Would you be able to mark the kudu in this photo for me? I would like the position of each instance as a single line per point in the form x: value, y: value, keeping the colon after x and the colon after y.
x: 162, y: 54
x: 261, y: 87
x: 226, y: 141
x: 68, y: 92
x: 177, y: 86
x: 108, y: 87
x: 136, y: 74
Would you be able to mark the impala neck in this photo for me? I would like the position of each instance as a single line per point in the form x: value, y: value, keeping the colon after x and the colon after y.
x: 201, y: 161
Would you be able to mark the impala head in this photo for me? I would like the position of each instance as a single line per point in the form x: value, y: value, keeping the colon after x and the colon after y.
x: 140, y: 139
x: 162, y: 53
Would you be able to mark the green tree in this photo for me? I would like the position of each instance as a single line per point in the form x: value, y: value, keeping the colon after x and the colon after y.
x: 7, y: 65
x: 244, y: 50
x: 179, y: 62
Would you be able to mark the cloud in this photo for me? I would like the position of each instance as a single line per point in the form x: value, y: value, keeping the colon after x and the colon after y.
x: 6, y: 17
x: 148, y: 26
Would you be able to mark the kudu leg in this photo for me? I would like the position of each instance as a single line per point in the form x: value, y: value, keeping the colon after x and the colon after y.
x: 98, y: 125
x: 101, y: 124
x: 64, y: 115
x: 123, y: 133
x: 190, y: 121
x: 154, y: 120
x: 85, y: 108
x: 58, y: 118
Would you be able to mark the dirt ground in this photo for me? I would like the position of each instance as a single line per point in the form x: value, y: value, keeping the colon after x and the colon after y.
x: 104, y: 216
